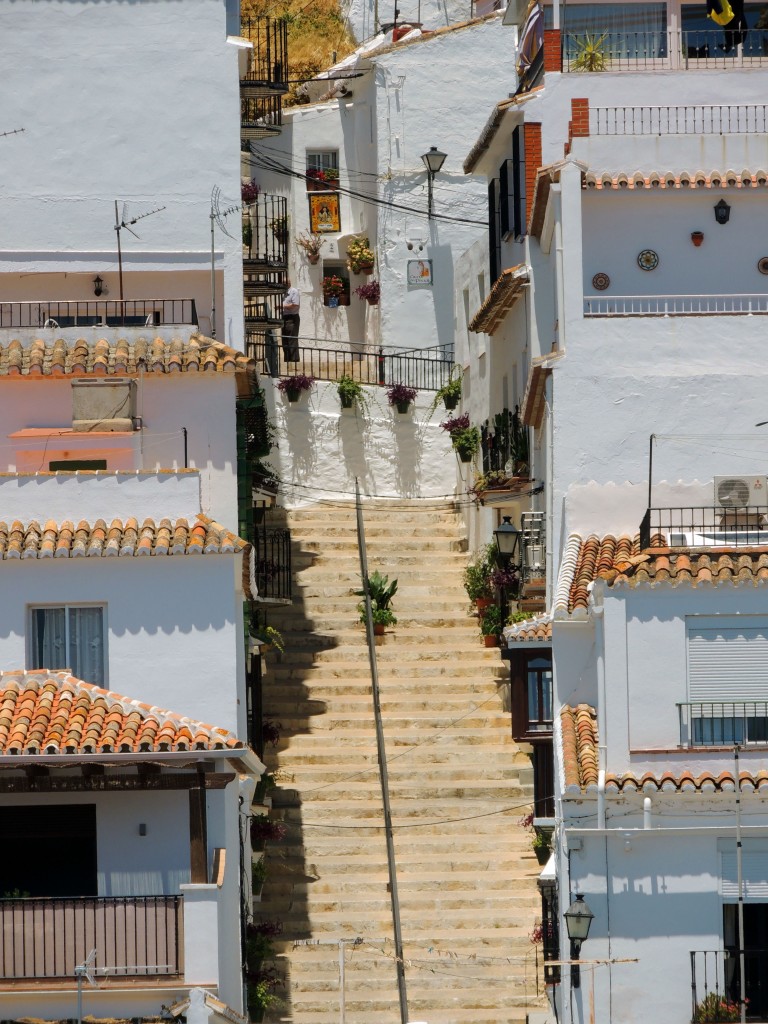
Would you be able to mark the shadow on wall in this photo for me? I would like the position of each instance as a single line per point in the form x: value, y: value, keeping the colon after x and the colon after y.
x: 352, y: 427
x: 409, y: 444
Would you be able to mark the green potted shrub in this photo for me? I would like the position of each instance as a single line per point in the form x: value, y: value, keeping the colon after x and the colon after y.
x: 381, y: 592
x: 477, y: 579
x: 350, y: 391
x: 465, y: 438
x: 331, y: 178
x: 450, y: 393
x: 491, y: 625
x: 279, y: 227
x: 591, y: 53
x: 360, y: 257
x: 333, y: 289
x: 716, y: 1007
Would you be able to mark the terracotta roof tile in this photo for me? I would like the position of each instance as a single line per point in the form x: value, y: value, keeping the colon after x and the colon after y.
x: 538, y: 628
x: 505, y: 292
x: 579, y: 744
x: 197, y: 536
x: 683, y: 180
x: 620, y: 561
x: 57, y: 357
x: 44, y: 712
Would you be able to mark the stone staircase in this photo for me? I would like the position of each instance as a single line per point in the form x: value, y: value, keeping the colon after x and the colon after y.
x: 458, y: 787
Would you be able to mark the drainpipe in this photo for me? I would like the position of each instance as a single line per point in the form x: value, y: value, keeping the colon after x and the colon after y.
x: 597, y: 612
x: 558, y: 196
x: 647, y: 805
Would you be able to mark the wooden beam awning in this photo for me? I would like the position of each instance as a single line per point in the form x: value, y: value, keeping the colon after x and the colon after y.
x: 532, y: 412
x: 122, y: 781
x: 505, y: 292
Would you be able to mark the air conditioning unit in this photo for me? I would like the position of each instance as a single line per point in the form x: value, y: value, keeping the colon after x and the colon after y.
x: 740, y: 491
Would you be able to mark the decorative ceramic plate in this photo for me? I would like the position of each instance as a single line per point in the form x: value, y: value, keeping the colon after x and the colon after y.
x: 648, y: 259
x: 762, y: 264
x: 601, y: 281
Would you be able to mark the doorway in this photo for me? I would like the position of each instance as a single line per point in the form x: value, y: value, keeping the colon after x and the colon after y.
x: 755, y: 956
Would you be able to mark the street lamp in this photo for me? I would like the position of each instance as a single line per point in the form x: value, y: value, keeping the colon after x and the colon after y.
x: 578, y: 918
x: 722, y: 211
x: 433, y: 161
x: 507, y: 539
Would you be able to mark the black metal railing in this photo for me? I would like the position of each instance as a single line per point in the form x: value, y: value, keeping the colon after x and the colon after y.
x: 663, y: 49
x: 265, y: 234
x: 273, y: 563
x: 716, y: 984
x: 504, y: 440
x: 705, y: 527
x: 132, y: 935
x: 260, y: 116
x: 688, y: 119
x: 426, y: 371
x: 723, y: 723
x: 99, y: 313
x: 268, y: 70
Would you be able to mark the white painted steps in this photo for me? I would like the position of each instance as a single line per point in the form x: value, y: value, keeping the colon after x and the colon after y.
x: 458, y: 786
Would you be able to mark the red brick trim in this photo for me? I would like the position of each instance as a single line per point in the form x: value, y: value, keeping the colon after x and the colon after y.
x: 552, y: 50
x: 532, y: 137
x: 580, y: 118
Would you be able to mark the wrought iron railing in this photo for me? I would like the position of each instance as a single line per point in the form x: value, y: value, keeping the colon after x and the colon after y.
x: 688, y: 119
x: 428, y: 370
x: 716, y: 984
x: 504, y: 439
x: 723, y: 723
x: 273, y: 563
x: 705, y: 527
x: 99, y: 313
x: 265, y: 234
x: 268, y: 70
x: 675, y: 305
x: 534, y: 548
x: 663, y: 49
x: 260, y: 116
x: 132, y: 935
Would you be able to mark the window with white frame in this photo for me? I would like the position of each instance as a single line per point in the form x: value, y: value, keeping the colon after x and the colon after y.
x: 727, y: 681
x: 322, y: 169
x: 69, y: 636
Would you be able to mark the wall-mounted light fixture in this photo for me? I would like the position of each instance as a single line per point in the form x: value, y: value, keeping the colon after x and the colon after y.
x: 98, y: 286
x: 722, y: 212
x: 433, y: 161
x: 578, y: 918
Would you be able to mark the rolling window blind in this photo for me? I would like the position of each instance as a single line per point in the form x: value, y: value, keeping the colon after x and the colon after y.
x: 727, y: 662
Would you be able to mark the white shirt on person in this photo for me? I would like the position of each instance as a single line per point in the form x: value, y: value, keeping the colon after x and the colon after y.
x: 292, y: 298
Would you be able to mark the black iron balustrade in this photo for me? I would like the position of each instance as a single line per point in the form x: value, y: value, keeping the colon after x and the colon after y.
x: 260, y: 118
x: 267, y: 73
x: 716, y: 984
x: 265, y: 234
x: 705, y: 527
x: 723, y: 723
x: 99, y: 313
x: 427, y: 371
x: 273, y: 563
x: 134, y: 936
x: 662, y: 49
x: 504, y: 440
x: 687, y: 119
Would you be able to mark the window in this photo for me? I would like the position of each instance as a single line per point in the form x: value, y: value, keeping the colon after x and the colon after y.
x: 36, y: 836
x: 703, y: 38
x: 631, y: 31
x: 531, y: 674
x: 727, y: 687
x: 323, y: 161
x: 322, y: 170
x: 494, y: 229
x: 335, y: 268
x: 71, y: 465
x: 69, y: 637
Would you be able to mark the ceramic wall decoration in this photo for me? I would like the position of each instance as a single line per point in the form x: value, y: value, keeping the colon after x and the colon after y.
x: 648, y: 259
x: 762, y: 264
x: 600, y: 282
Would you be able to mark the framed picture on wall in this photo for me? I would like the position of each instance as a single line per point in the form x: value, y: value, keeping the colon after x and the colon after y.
x: 419, y: 273
x: 324, y: 215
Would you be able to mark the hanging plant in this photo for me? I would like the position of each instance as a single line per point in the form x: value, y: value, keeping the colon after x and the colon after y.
x: 401, y: 395
x: 360, y: 256
x: 311, y: 244
x: 370, y: 291
x: 249, y: 190
x: 293, y: 386
x: 350, y: 391
x: 450, y: 393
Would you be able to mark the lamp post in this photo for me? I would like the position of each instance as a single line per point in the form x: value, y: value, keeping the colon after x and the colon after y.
x: 433, y: 161
x: 578, y: 918
x: 508, y: 542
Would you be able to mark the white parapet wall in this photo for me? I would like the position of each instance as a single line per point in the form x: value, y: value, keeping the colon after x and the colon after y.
x: 201, y: 934
x: 322, y: 448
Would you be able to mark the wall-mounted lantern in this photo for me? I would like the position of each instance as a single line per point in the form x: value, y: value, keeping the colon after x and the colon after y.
x: 722, y: 212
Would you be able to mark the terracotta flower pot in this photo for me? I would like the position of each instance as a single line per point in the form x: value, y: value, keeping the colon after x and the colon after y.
x: 366, y: 268
x: 313, y: 257
x: 378, y: 630
x: 481, y: 603
x: 491, y: 640
x: 697, y: 237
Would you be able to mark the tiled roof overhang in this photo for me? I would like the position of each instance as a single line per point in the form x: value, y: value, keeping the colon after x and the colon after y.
x: 492, y: 125
x: 45, y: 712
x: 668, y: 180
x: 103, y: 357
x: 532, y: 410
x: 536, y: 630
x: 503, y: 295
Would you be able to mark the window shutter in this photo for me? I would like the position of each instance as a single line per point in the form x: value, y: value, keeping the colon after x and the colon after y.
x: 728, y: 662
x: 518, y: 181
x: 506, y: 197
x: 754, y: 868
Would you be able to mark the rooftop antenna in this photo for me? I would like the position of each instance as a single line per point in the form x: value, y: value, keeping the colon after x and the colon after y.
x: 14, y: 131
x: 218, y: 216
x: 120, y: 223
x: 84, y: 970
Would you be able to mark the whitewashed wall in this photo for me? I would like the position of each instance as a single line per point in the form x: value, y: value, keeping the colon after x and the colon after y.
x: 362, y: 14
x: 173, y: 625
x: 151, y: 118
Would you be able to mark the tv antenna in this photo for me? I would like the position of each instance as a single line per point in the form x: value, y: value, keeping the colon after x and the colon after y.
x: 84, y: 970
x: 218, y: 216
x: 14, y: 131
x: 120, y: 223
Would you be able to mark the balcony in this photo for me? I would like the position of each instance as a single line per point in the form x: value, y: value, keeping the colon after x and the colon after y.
x: 690, y: 119
x: 99, y: 313
x: 723, y: 723
x: 675, y: 305
x: 661, y: 49
x: 705, y: 527
x: 267, y: 75
x: 260, y: 118
x: 137, y: 936
x: 716, y: 984
x: 265, y: 235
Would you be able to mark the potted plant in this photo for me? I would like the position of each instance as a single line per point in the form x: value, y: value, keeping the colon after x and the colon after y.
x: 507, y: 578
x: 331, y: 176
x: 370, y: 291
x: 590, y: 54
x: 465, y: 438
x: 450, y: 393
x: 381, y: 592
x: 716, y: 1007
x: 294, y: 385
x: 279, y: 227
x: 267, y: 636
x: 333, y: 289
x: 491, y: 625
x: 477, y: 578
x: 350, y: 391
x: 264, y: 829
x: 401, y: 395
x: 519, y: 445
x: 258, y: 876
x: 360, y: 256
x: 316, y: 179
x: 311, y: 244
x: 247, y: 234
x: 249, y: 190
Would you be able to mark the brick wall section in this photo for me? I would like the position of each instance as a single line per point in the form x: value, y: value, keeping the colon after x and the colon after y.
x: 552, y: 57
x: 580, y: 118
x: 532, y: 137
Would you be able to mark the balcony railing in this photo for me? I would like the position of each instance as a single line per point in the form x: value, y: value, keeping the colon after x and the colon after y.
x: 268, y: 71
x: 690, y: 119
x: 135, y: 936
x: 716, y: 984
x: 265, y: 234
x: 260, y: 118
x: 723, y: 723
x: 662, y: 50
x: 428, y: 370
x: 675, y: 305
x: 99, y: 313
x: 705, y: 527
x: 503, y: 440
